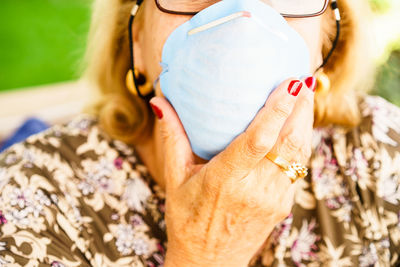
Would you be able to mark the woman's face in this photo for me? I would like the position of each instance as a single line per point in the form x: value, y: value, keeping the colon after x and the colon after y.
x: 153, y: 27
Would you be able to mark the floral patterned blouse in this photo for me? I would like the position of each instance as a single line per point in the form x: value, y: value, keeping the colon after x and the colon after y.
x: 71, y: 196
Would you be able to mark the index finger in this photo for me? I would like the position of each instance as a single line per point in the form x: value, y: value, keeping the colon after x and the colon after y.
x: 243, y: 154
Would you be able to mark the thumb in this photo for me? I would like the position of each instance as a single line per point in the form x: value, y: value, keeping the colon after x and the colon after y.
x: 178, y: 156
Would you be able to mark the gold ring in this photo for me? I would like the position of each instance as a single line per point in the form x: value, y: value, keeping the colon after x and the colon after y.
x: 293, y: 170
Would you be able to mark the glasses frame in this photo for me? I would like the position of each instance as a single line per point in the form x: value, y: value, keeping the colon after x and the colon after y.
x: 159, y: 6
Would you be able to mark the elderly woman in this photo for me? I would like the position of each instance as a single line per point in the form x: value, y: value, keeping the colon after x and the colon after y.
x: 107, y: 189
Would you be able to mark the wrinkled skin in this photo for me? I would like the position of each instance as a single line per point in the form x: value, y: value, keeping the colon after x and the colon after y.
x: 219, y: 213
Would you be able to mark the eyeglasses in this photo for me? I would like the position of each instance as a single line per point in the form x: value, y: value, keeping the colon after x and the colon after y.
x: 287, y: 8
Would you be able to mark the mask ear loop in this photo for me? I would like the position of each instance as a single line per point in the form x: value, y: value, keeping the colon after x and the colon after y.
x: 335, y: 9
x: 134, y: 10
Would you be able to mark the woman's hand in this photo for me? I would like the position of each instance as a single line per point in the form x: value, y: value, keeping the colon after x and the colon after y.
x: 221, y: 212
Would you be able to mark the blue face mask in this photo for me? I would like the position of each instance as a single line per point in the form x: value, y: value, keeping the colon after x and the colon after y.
x: 220, y: 67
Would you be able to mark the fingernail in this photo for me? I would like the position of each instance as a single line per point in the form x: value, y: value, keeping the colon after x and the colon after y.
x: 157, y: 111
x: 246, y: 14
x: 295, y: 87
x: 311, y: 83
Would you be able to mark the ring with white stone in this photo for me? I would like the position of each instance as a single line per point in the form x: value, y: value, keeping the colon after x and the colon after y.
x: 293, y: 170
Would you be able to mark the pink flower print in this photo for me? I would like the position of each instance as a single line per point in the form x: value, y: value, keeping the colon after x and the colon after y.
x: 86, y: 188
x: 57, y: 264
x: 161, y: 207
x: 160, y: 248
x: 331, y: 203
x: 118, y: 163
x: 124, y: 241
x: 337, y: 202
x: 303, y: 248
x: 114, y: 216
x: 282, y: 230
x: 369, y: 256
x: 3, y: 219
x: 20, y: 198
x: 11, y: 159
x: 159, y: 259
x: 136, y: 220
x: 140, y: 246
x: 105, y: 184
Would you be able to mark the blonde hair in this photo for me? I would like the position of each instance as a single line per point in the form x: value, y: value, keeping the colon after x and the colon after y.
x: 128, y: 118
x: 350, y: 68
x: 122, y: 115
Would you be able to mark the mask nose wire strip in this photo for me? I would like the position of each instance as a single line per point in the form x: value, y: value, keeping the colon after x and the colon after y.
x: 220, y: 21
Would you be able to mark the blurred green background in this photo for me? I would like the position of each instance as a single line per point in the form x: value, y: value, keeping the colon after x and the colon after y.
x: 42, y: 42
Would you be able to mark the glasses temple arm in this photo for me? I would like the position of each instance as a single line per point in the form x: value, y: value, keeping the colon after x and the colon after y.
x: 335, y: 9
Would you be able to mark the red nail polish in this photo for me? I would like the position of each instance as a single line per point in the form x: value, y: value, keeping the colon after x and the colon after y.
x: 246, y: 14
x: 157, y: 111
x: 295, y: 87
x: 311, y: 83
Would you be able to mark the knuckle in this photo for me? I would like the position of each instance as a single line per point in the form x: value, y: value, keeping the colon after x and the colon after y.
x: 229, y: 167
x: 281, y: 110
x: 256, y: 144
x: 307, y: 101
x: 210, y: 184
x: 210, y: 187
x: 166, y: 134
x: 253, y: 202
x: 293, y: 142
x: 224, y: 185
x: 305, y: 152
